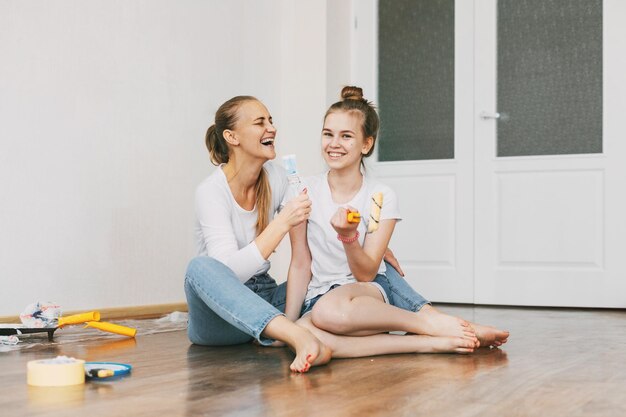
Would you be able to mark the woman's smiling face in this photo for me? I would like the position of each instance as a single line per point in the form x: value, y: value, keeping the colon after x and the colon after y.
x: 254, y: 130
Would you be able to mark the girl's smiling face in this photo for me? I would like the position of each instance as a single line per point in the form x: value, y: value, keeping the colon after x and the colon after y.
x: 343, y: 141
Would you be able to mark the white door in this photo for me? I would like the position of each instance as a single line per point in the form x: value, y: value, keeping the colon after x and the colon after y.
x: 506, y: 216
x: 550, y: 171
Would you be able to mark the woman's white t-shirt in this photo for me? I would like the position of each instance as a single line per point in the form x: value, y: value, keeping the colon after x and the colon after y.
x: 225, y: 231
x: 330, y: 263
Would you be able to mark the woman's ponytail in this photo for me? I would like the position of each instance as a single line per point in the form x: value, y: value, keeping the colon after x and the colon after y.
x: 218, y: 149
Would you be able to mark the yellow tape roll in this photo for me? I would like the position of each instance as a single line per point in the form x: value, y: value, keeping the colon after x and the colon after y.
x: 67, y: 397
x: 58, y: 372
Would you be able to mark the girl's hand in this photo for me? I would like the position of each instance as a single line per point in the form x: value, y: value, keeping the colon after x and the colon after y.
x: 340, y: 223
x: 296, y: 210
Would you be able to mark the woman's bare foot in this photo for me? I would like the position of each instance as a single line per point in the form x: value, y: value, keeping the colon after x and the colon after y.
x: 446, y: 344
x: 309, y: 351
x: 490, y: 336
x: 434, y: 323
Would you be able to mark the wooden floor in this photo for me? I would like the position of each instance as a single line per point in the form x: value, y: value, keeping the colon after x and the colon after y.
x: 557, y: 363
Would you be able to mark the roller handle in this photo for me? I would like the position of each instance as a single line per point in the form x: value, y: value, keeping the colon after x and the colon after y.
x: 79, y: 318
x: 112, y: 328
x: 354, y: 217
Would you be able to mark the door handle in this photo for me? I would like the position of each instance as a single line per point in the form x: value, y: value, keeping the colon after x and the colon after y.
x: 485, y: 115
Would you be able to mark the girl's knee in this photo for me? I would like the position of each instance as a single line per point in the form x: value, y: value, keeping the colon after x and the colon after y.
x: 333, y: 317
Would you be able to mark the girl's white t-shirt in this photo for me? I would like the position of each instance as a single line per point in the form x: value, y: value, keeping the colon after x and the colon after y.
x: 225, y: 231
x: 330, y: 264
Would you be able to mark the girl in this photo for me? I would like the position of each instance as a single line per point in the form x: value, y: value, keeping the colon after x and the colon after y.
x: 337, y: 267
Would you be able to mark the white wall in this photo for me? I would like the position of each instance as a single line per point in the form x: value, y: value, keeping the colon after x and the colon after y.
x: 339, y: 42
x: 303, y: 95
x: 316, y: 64
x: 103, y: 109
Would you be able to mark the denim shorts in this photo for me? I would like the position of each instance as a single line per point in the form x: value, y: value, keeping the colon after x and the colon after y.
x: 380, y: 282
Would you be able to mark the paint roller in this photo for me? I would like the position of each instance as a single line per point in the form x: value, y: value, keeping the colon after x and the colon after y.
x: 375, y: 208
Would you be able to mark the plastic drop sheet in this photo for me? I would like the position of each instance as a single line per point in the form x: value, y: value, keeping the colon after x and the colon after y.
x: 77, y: 333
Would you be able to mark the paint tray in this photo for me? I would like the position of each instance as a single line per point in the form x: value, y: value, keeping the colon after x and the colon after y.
x: 19, y: 329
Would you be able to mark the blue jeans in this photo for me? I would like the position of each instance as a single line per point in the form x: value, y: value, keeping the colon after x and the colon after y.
x: 400, y: 293
x: 224, y: 311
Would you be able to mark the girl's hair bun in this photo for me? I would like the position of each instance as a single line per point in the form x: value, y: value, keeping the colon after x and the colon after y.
x: 352, y: 93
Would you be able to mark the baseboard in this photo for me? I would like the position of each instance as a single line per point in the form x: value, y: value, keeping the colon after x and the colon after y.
x: 120, y: 313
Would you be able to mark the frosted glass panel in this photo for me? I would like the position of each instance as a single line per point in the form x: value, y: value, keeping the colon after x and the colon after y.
x: 549, y: 77
x: 416, y: 79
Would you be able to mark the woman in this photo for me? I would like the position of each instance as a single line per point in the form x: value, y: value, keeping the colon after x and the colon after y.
x: 338, y: 272
x: 231, y: 297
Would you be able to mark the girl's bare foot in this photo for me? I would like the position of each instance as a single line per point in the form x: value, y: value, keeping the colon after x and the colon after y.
x: 490, y: 336
x: 435, y: 323
x: 309, y: 351
x: 446, y: 344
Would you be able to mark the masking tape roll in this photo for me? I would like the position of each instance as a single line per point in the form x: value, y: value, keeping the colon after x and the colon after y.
x: 58, y: 372
x: 45, y: 397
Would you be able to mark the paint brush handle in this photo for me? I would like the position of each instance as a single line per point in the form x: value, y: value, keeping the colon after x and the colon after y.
x: 99, y: 373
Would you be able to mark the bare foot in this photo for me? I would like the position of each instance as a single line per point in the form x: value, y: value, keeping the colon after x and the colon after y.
x: 309, y: 351
x: 447, y: 344
x: 490, y: 336
x: 434, y: 323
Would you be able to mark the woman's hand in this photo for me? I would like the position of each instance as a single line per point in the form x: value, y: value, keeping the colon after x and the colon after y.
x: 293, y: 213
x: 296, y: 210
x: 390, y: 258
x: 340, y: 222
